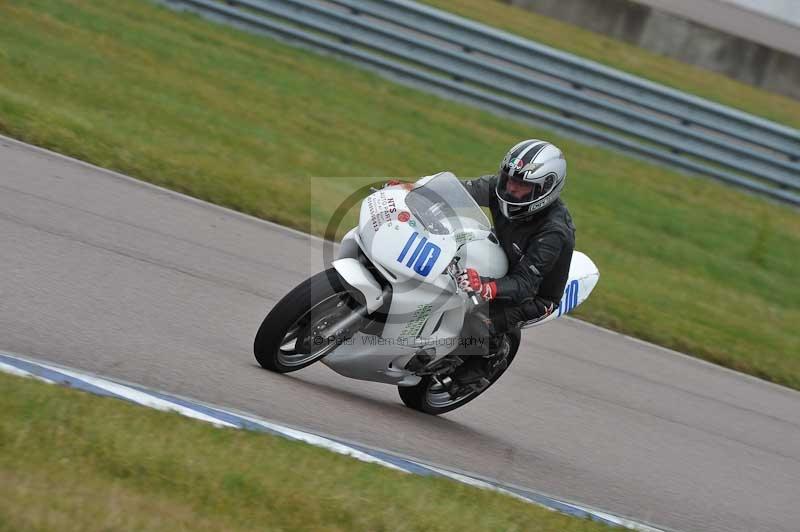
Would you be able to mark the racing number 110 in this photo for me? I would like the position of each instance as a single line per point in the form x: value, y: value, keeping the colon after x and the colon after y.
x: 424, y: 256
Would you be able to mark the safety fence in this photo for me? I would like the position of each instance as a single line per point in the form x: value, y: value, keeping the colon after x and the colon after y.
x: 451, y: 55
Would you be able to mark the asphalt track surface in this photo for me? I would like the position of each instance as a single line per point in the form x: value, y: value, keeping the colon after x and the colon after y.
x: 106, y: 274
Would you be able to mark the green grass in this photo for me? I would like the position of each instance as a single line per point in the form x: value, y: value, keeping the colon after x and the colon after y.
x: 627, y: 57
x: 70, y: 461
x: 245, y: 122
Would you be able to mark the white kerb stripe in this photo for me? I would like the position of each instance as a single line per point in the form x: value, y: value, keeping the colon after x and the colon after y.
x: 8, y: 368
x: 621, y: 521
x: 139, y: 397
x: 319, y: 441
x: 477, y: 483
x: 162, y: 404
x: 485, y: 485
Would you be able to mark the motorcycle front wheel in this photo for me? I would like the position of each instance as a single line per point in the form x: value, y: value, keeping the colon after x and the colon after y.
x: 296, y: 332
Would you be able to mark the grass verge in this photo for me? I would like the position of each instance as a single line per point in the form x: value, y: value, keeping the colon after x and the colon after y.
x: 244, y: 122
x: 73, y: 461
x: 623, y: 56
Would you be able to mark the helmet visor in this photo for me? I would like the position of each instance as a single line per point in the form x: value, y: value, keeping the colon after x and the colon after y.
x: 521, y: 192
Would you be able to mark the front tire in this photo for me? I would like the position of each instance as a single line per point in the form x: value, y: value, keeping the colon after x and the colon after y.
x: 289, y: 338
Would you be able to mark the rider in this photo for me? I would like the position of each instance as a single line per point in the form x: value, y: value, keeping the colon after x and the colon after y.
x: 536, y: 232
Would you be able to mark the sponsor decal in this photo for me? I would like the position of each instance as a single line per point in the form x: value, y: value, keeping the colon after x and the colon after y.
x: 516, y: 164
x: 539, y: 204
x: 381, y: 207
x: 404, y: 216
x: 464, y: 237
x: 419, y: 318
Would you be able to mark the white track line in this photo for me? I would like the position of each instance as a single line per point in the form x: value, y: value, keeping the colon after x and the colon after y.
x: 318, y: 441
x: 136, y: 396
x: 8, y: 368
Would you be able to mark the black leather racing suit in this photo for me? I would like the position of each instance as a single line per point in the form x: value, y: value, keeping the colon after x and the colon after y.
x: 537, y: 273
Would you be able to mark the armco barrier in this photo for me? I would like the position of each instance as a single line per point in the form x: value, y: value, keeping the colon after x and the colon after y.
x: 452, y: 55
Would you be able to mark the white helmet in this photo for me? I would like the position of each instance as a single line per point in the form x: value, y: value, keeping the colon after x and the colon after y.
x: 531, y: 177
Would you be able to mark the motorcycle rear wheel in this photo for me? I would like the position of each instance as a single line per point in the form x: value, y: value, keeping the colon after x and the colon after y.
x: 430, y: 397
x: 288, y: 338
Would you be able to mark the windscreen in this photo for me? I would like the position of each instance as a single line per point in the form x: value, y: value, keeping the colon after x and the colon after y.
x: 444, y: 206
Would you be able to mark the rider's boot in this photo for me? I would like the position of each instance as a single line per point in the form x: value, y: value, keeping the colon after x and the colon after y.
x: 491, y: 357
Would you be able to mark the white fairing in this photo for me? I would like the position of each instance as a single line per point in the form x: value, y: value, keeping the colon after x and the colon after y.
x: 359, y: 278
x: 485, y: 256
x: 411, y: 234
x: 583, y: 276
x: 384, y: 238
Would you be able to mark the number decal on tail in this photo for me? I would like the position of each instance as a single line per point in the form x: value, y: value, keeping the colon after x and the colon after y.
x: 570, y: 298
x: 423, y: 257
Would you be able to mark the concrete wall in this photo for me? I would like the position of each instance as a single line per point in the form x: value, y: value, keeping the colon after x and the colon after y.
x: 677, y: 37
x: 786, y: 10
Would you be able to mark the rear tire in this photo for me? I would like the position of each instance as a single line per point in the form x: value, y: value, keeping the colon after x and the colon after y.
x: 425, y: 397
x: 313, y: 301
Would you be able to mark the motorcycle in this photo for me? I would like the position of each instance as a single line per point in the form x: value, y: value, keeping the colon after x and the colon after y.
x: 390, y: 309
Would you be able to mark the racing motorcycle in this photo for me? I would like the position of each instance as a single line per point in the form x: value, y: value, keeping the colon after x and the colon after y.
x: 391, y: 310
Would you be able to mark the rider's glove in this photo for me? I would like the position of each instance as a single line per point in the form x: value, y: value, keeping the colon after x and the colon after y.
x: 470, y: 280
x: 396, y: 183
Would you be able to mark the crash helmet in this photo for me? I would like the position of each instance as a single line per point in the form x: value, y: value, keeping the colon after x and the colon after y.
x: 531, y: 177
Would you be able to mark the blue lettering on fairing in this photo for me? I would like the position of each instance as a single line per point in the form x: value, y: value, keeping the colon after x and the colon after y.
x: 424, y: 256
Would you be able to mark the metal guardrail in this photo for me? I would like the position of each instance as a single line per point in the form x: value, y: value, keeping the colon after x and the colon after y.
x: 449, y: 54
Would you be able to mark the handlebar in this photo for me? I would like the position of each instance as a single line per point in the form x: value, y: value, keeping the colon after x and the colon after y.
x: 453, y: 270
